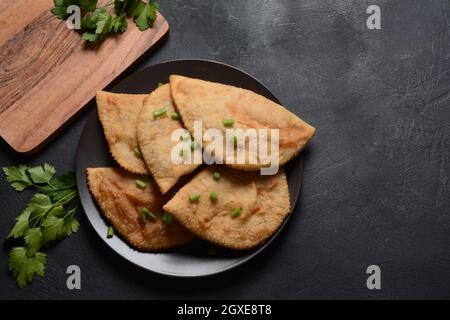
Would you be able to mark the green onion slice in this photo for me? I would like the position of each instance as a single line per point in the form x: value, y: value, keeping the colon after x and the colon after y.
x: 110, y: 232
x: 236, y: 212
x: 194, y: 197
x: 213, y: 196
x: 143, y: 216
x: 194, y: 145
x: 228, y: 122
x: 174, y: 115
x: 167, y: 217
x: 159, y: 112
x: 140, y: 184
x: 138, y: 152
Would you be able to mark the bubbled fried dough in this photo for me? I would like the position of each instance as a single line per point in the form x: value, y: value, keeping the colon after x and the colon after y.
x: 118, y: 114
x: 212, y: 103
x: 120, y: 201
x: 154, y: 137
x: 264, y: 201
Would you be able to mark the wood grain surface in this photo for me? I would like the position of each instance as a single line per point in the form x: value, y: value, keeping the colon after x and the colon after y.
x: 48, y: 73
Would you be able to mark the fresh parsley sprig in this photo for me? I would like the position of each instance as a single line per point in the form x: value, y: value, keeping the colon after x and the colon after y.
x: 100, y: 21
x: 49, y: 216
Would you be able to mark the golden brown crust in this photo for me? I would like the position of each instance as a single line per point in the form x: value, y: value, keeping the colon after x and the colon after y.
x: 120, y: 201
x: 213, y: 102
x: 264, y: 201
x: 118, y: 114
x: 154, y: 137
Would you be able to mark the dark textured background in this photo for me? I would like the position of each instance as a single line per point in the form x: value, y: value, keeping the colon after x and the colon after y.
x: 376, y: 183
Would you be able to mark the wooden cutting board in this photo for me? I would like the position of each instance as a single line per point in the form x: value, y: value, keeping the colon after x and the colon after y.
x: 48, y: 73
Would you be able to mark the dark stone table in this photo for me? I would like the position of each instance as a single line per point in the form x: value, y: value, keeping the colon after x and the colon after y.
x: 377, y: 174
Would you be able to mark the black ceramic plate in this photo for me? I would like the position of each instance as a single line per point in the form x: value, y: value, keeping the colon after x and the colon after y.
x: 194, y: 259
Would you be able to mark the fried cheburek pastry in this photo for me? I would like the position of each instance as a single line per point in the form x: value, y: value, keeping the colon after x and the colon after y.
x: 235, y: 209
x: 118, y: 114
x: 221, y: 106
x: 134, y: 207
x: 156, y: 123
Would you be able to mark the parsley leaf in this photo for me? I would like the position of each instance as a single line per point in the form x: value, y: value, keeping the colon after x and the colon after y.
x: 87, y: 23
x: 66, y: 180
x: 71, y: 226
x: 24, y: 266
x: 60, y: 8
x: 49, y: 216
x: 53, y: 228
x: 41, y: 174
x: 33, y: 239
x: 98, y: 21
x: 88, y: 5
x: 53, y: 225
x: 91, y: 37
x: 18, y: 177
x: 39, y: 205
x: 102, y: 20
x: 60, y: 187
x: 125, y: 6
x: 118, y: 24
x: 59, y: 224
x: 145, y: 15
x: 21, y: 224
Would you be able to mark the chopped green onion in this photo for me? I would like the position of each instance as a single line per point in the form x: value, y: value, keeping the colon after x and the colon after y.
x: 235, y: 212
x: 194, y: 145
x: 110, y: 232
x: 185, y: 137
x: 159, y: 85
x: 138, y: 152
x: 167, y: 217
x: 151, y: 215
x: 140, y: 184
x: 213, y: 196
x: 148, y: 214
x: 216, y: 175
x: 235, y: 140
x: 181, y: 153
x: 143, y: 216
x: 174, y: 115
x: 228, y: 122
x: 159, y: 112
x: 194, y: 197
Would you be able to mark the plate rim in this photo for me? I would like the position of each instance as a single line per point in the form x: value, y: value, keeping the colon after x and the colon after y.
x: 81, y: 179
